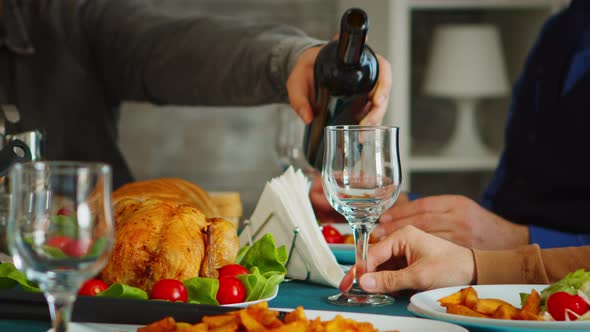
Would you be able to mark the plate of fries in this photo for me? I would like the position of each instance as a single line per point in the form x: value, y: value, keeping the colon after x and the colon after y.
x: 260, y: 318
x: 490, y: 305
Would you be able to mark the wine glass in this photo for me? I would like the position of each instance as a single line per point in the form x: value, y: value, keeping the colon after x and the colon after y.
x: 60, y: 228
x: 361, y: 176
x: 289, y: 143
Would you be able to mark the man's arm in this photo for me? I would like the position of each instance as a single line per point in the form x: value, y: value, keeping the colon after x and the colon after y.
x: 189, y: 59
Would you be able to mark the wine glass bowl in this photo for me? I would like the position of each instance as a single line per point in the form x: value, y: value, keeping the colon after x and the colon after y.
x: 361, y: 177
x: 60, y: 229
x: 362, y: 197
x: 289, y: 143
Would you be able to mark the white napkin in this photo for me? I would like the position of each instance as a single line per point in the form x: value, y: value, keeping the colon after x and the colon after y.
x: 285, y: 211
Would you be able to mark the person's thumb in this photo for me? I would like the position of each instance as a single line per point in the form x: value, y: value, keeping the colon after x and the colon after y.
x: 386, y: 281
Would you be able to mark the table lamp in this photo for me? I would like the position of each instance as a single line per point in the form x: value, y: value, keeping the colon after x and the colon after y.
x: 466, y: 64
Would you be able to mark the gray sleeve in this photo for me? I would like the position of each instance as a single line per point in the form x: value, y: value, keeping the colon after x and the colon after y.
x: 147, y: 55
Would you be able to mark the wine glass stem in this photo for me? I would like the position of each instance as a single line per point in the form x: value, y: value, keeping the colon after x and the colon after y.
x: 361, y: 239
x: 60, y: 308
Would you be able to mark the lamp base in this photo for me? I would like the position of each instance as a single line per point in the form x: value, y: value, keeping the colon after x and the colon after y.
x: 465, y: 141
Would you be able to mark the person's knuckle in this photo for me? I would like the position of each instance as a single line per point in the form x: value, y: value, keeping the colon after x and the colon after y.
x: 387, y: 281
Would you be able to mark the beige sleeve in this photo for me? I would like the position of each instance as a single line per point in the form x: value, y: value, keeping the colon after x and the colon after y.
x: 529, y: 264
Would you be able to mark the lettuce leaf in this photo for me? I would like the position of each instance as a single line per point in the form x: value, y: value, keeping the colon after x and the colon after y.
x: 259, y: 286
x: 264, y: 255
x: 266, y: 264
x: 202, y: 290
x: 11, y: 277
x: 124, y: 291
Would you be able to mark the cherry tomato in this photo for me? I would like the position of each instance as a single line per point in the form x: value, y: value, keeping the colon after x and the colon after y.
x: 331, y: 234
x: 232, y: 270
x: 169, y: 290
x: 92, y: 287
x: 558, y: 302
x: 64, y: 211
x: 77, y: 248
x: 59, y: 242
x: 231, y: 290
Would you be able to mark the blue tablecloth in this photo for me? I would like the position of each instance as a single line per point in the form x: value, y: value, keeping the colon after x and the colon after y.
x: 314, y: 297
x: 291, y: 295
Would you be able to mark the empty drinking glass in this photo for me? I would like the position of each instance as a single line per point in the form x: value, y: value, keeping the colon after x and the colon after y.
x: 60, y: 228
x: 361, y: 177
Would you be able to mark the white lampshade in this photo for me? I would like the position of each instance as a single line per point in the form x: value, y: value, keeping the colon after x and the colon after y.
x: 466, y: 61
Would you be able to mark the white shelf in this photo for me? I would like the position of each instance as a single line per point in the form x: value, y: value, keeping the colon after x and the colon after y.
x: 452, y: 164
x: 487, y: 4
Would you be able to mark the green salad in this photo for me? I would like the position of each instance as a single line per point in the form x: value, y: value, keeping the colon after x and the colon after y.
x: 263, y: 259
x: 567, y: 299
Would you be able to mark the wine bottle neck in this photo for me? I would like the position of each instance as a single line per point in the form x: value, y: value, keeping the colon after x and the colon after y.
x: 353, y: 32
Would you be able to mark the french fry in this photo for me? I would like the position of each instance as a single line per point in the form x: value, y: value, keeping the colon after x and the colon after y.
x: 231, y: 327
x: 470, y: 297
x: 186, y: 327
x: 466, y: 296
x: 506, y: 311
x: 219, y: 320
x: 296, y: 315
x: 166, y: 324
x: 249, y: 322
x: 489, y: 306
x: 533, y: 303
x: 455, y: 298
x: 297, y: 326
x: 259, y: 318
x: 459, y: 309
x: 466, y: 302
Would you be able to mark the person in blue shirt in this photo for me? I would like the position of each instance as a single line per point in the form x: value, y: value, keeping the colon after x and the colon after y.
x: 540, y: 192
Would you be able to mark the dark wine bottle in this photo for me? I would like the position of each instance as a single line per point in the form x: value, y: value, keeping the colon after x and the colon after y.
x: 345, y: 72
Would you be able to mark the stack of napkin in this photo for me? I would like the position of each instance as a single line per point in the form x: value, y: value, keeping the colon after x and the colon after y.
x: 284, y: 210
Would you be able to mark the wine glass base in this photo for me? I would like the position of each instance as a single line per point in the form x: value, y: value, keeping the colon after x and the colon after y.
x: 361, y: 300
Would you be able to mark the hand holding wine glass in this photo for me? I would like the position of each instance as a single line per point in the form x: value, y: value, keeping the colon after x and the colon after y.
x: 361, y: 176
x: 60, y: 229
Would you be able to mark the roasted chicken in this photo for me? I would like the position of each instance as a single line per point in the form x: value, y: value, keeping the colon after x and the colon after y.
x: 171, y: 189
x: 161, y: 234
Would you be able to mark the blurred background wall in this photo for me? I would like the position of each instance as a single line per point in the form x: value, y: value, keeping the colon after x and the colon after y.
x: 221, y: 149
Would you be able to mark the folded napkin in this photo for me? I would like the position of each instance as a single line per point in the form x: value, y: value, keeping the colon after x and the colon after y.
x: 284, y: 210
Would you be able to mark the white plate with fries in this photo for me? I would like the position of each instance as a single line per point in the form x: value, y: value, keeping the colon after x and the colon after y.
x: 425, y: 304
x: 381, y: 322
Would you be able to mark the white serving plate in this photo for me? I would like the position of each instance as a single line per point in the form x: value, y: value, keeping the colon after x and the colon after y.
x: 425, y: 305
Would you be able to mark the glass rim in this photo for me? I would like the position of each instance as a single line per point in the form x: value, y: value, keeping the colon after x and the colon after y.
x: 361, y: 127
x: 62, y: 165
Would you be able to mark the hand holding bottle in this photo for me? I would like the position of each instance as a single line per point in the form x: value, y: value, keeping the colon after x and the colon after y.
x: 300, y: 87
x: 342, y: 83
